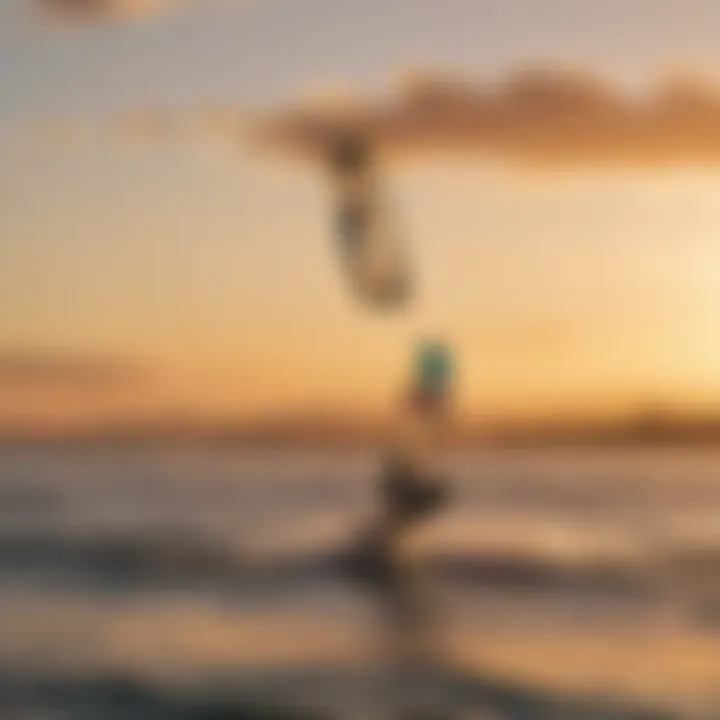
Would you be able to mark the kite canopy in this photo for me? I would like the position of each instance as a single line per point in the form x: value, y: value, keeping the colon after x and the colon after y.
x: 370, y: 244
x: 351, y: 156
x: 373, y: 256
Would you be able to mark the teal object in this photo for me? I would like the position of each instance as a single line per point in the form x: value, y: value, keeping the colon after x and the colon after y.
x: 433, y: 366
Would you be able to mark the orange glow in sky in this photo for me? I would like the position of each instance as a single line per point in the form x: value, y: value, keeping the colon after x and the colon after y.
x: 214, y: 265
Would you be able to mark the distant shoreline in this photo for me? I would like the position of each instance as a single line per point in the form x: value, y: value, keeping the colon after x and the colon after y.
x: 651, y: 427
x: 464, y: 440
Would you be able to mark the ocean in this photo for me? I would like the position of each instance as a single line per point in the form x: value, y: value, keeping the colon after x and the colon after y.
x: 210, y: 583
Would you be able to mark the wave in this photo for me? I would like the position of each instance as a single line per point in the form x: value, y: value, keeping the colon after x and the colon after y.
x: 137, y: 557
x: 159, y: 560
x: 16, y: 499
x: 292, y: 694
x: 125, y: 698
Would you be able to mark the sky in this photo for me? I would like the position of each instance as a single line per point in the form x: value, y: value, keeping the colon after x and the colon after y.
x: 208, y: 268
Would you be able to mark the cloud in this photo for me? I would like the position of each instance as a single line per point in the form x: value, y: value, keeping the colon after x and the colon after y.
x: 539, y: 116
x: 74, y: 12
x: 30, y: 368
x: 84, y: 11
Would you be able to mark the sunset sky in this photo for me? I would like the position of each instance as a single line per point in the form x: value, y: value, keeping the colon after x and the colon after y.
x: 203, y: 270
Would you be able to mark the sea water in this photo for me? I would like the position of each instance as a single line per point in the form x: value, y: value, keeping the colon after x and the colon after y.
x: 150, y: 582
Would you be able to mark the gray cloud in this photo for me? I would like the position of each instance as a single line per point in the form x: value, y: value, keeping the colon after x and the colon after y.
x: 550, y: 116
x: 84, y: 11
x: 66, y: 370
x: 74, y: 12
